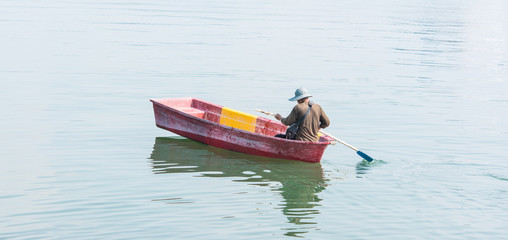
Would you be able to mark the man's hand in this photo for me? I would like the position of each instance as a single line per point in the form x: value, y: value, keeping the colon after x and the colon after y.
x: 278, y: 116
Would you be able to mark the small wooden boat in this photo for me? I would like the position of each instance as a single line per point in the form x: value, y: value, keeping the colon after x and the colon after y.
x: 233, y: 130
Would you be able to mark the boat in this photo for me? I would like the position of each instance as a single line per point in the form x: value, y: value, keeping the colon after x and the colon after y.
x: 233, y: 130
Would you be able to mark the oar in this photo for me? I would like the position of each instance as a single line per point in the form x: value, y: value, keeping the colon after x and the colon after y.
x: 360, y: 153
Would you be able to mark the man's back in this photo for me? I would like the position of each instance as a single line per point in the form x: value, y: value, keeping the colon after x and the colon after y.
x: 315, y: 120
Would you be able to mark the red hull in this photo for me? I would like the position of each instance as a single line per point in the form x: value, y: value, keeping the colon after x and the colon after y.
x: 201, y: 121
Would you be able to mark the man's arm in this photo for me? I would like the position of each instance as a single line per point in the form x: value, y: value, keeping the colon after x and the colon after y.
x: 289, y: 119
x: 324, y: 120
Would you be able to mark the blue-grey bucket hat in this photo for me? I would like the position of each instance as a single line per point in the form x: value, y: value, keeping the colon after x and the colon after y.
x: 299, y: 94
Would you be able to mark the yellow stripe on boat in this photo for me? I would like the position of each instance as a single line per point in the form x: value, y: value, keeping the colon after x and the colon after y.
x: 237, y: 119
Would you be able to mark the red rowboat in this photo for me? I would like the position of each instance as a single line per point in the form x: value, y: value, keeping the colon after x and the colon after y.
x: 230, y: 129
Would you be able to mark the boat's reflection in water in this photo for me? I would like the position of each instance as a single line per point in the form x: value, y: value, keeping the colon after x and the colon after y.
x: 297, y: 182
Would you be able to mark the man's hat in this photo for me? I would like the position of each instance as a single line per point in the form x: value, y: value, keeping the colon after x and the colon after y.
x: 299, y: 94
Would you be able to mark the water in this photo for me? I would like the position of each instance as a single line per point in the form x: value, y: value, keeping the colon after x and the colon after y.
x: 420, y: 86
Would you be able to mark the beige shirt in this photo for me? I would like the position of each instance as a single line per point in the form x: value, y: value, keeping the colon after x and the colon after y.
x: 315, y: 120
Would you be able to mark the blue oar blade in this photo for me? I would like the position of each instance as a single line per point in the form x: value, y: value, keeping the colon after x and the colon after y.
x: 364, y: 156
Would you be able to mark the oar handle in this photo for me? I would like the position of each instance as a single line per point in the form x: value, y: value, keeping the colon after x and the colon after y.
x: 265, y: 112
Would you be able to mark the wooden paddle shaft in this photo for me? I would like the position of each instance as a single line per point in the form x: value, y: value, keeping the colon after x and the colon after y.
x: 265, y: 112
x: 338, y: 140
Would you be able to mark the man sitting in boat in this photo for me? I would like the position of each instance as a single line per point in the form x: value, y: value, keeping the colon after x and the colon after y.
x: 313, y: 121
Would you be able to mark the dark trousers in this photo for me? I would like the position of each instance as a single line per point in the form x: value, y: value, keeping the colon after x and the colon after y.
x: 281, y: 135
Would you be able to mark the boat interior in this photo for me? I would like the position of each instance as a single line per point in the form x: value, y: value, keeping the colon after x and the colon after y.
x: 226, y: 116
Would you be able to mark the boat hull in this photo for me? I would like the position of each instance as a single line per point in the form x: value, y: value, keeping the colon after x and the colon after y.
x: 203, y: 122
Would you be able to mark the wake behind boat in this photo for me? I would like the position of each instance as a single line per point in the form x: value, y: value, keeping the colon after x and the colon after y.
x: 233, y: 130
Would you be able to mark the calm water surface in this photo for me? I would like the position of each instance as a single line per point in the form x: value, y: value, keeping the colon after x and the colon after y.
x: 421, y: 86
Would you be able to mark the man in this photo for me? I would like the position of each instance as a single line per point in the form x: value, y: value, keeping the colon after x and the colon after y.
x: 315, y: 120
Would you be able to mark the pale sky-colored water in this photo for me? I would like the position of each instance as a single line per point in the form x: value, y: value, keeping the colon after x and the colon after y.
x: 420, y: 86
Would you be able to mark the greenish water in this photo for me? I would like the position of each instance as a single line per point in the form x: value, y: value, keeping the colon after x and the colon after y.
x: 419, y: 86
